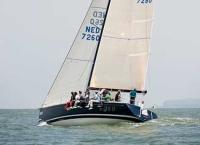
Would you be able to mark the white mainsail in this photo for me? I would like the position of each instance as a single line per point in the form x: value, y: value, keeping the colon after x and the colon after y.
x: 123, y: 53
x: 76, y: 69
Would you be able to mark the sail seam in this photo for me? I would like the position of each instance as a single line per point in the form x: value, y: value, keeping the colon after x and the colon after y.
x: 87, y: 60
x: 142, y: 38
x: 143, y: 21
x: 98, y: 8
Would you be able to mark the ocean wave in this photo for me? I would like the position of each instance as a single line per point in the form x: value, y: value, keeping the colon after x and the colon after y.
x: 184, y: 119
x: 178, y: 121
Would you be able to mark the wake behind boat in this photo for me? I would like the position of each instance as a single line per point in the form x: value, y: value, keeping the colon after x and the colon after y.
x: 110, y: 52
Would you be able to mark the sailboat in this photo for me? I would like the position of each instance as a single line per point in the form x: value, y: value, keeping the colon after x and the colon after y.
x: 111, y: 52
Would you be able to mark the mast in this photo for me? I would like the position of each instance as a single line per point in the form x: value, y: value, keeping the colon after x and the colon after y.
x: 95, y: 57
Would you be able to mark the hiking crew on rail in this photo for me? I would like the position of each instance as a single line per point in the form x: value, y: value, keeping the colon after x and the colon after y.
x: 79, y: 99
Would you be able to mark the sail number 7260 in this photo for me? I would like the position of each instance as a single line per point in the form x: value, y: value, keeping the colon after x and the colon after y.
x: 144, y: 1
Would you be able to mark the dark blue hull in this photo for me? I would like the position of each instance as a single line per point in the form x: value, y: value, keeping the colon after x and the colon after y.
x: 112, y: 111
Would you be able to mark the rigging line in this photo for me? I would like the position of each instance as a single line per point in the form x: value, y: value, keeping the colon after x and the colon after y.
x: 148, y: 76
x: 148, y: 47
x: 68, y: 52
x: 145, y: 80
x: 144, y: 38
x: 87, y: 60
x: 98, y: 45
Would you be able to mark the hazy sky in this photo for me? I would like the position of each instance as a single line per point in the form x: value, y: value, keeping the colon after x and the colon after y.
x: 35, y: 36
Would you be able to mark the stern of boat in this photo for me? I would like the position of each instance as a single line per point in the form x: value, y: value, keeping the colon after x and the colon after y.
x: 142, y: 114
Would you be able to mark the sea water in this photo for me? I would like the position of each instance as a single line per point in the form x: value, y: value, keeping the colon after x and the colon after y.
x: 174, y: 127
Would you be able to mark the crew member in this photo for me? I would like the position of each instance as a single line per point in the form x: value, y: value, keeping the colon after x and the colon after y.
x: 118, y: 96
x: 133, y: 94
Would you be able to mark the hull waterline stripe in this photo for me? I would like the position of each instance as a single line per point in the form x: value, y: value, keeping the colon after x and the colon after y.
x: 93, y: 115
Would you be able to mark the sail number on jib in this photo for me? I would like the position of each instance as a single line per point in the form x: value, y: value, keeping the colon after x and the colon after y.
x: 92, y: 31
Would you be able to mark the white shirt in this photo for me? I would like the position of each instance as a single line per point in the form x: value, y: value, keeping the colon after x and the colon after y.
x: 77, y: 97
x: 141, y: 105
x: 97, y: 97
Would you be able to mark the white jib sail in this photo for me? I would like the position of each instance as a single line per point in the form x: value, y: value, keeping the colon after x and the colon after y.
x: 75, y: 72
x: 124, y: 49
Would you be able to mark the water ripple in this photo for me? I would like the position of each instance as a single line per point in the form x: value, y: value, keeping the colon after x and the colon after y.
x: 178, y: 127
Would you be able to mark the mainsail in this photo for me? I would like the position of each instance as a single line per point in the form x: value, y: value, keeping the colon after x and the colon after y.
x: 76, y: 69
x: 123, y: 52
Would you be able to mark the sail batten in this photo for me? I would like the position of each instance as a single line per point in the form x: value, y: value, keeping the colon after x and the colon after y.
x: 125, y: 38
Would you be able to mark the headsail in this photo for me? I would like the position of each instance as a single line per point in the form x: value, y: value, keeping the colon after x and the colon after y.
x: 76, y: 69
x: 124, y: 49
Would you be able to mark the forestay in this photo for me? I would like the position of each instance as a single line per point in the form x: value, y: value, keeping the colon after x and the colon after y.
x: 76, y: 69
x: 124, y: 49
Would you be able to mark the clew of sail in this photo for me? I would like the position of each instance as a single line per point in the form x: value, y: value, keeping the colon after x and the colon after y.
x: 123, y: 52
x: 76, y: 69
